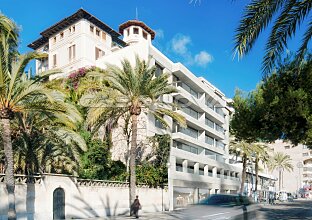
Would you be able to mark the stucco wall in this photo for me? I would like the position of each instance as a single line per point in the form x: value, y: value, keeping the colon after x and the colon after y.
x: 83, y: 199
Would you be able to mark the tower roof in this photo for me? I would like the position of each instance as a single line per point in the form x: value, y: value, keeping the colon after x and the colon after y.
x: 136, y: 23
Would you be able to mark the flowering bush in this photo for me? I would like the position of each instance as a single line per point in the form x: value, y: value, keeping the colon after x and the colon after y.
x: 74, y: 78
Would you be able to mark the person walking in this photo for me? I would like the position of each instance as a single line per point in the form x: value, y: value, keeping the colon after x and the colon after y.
x: 136, y: 206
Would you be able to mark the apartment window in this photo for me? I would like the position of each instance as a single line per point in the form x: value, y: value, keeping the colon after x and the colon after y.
x: 145, y: 35
x: 97, y: 32
x: 72, y: 52
x: 159, y: 70
x: 219, y: 128
x: 305, y: 154
x: 91, y: 28
x: 219, y: 144
x: 54, y: 39
x: 287, y: 147
x: 136, y: 30
x: 209, y: 102
x: 128, y: 32
x: 62, y: 35
x: 103, y: 36
x: 158, y: 124
x: 98, y: 53
x: 209, y: 140
x: 209, y: 123
x: 219, y: 111
x: 54, y: 60
x: 304, y: 146
x: 72, y: 29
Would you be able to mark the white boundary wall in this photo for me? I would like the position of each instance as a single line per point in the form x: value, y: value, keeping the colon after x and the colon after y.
x: 83, y: 198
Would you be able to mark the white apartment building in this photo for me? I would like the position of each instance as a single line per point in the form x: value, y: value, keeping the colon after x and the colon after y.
x: 199, y: 160
x: 301, y: 159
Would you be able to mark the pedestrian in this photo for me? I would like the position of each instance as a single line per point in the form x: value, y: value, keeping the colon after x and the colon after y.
x: 136, y: 206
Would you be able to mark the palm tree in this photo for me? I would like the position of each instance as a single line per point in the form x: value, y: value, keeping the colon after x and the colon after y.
x: 40, y: 138
x: 20, y: 94
x: 129, y: 90
x: 244, y: 150
x: 258, y: 15
x: 280, y: 162
x: 261, y: 154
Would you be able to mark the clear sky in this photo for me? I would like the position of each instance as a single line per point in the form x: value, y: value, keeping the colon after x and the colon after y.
x: 198, y: 35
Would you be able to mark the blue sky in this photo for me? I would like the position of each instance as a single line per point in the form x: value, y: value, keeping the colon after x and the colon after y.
x: 198, y: 35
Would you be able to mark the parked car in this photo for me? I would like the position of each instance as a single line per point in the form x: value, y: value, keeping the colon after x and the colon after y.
x: 222, y: 206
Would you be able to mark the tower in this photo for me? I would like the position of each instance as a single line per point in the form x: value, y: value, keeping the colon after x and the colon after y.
x: 134, y: 31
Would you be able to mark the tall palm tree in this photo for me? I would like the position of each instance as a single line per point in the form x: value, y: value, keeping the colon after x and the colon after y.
x: 261, y: 155
x: 19, y: 94
x: 244, y: 150
x: 130, y: 90
x: 280, y: 162
x: 289, y: 14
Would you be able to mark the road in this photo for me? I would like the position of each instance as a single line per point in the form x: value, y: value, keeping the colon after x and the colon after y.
x: 300, y: 209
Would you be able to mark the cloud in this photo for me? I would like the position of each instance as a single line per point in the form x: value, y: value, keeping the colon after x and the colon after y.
x: 203, y: 58
x: 179, y: 44
x: 160, y: 34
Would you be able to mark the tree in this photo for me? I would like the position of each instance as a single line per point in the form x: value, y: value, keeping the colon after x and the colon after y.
x: 258, y: 15
x: 261, y: 155
x: 287, y: 105
x: 39, y: 139
x: 130, y: 90
x: 280, y: 162
x: 19, y: 94
x: 242, y: 149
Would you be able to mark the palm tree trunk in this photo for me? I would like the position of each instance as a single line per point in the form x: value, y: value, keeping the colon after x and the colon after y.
x: 243, y: 173
x: 257, y: 173
x: 134, y: 129
x: 9, y: 171
x: 279, y: 179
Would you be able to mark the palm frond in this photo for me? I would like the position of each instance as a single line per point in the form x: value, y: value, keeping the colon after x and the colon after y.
x: 257, y: 16
x: 284, y: 28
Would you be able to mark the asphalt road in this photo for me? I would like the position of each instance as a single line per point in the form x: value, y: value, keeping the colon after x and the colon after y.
x: 300, y: 209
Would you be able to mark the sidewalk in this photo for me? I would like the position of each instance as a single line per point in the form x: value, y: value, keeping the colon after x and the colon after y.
x: 142, y: 216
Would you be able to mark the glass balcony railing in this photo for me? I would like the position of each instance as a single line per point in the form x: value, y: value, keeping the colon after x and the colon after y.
x: 189, y: 89
x: 189, y: 131
x: 190, y: 112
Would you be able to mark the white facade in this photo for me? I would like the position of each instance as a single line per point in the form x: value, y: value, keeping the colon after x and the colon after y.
x: 301, y: 159
x: 199, y: 160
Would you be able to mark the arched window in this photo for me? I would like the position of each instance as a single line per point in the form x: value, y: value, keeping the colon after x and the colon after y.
x: 59, y: 203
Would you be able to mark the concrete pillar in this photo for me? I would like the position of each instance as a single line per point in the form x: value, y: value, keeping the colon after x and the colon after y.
x: 222, y: 173
x: 196, y: 168
x: 206, y: 170
x: 196, y: 195
x: 184, y: 166
x: 214, y: 171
